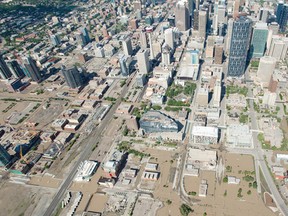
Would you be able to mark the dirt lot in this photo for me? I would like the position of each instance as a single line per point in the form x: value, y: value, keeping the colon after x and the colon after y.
x: 23, y: 200
x: 219, y: 202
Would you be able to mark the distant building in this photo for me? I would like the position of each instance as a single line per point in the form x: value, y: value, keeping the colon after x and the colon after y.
x: 73, y: 77
x: 218, y: 54
x: 127, y: 46
x: 5, y: 157
x: 169, y: 38
x: 143, y: 40
x: 202, y: 23
x: 278, y: 48
x: 282, y: 16
x: 202, y: 97
x: 15, y: 69
x: 216, y: 98
x: 239, y: 136
x: 239, y: 45
x: 55, y: 39
x: 86, y: 36
x: 123, y: 61
x: 5, y: 72
x: 155, y: 121
x: 31, y: 70
x: 264, y: 15
x: 205, y: 135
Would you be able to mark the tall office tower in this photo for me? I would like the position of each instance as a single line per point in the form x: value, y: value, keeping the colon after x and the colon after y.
x: 259, y: 40
x: 15, y: 69
x: 274, y: 26
x: 197, y: 3
x: 165, y: 55
x: 5, y: 73
x: 123, y: 65
x: 228, y: 35
x: 236, y: 7
x: 218, y: 54
x: 221, y: 12
x: 149, y: 31
x: 278, y: 48
x: 73, y: 77
x: 143, y: 40
x: 5, y: 157
x: 202, y: 23
x: 169, y: 38
x: 127, y: 46
x: 143, y: 61
x: 239, y: 45
x: 81, y: 39
x: 215, y: 24
x: 55, y: 39
x: 279, y: 10
x: 31, y: 70
x: 85, y: 33
x: 264, y: 15
x: 216, y: 98
x: 182, y: 16
x: 133, y: 24
x: 196, y: 20
x: 265, y: 70
x: 137, y: 5
x: 104, y: 31
x: 283, y: 17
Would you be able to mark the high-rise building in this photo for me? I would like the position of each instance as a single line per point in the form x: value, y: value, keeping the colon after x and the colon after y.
x: 143, y: 40
x: 5, y: 157
x: 73, y: 77
x: 127, y: 46
x: 169, y: 38
x: 218, y: 54
x: 279, y: 47
x: 229, y: 35
x: 149, y: 31
x: 279, y: 10
x: 265, y: 70
x: 216, y: 98
x: 182, y: 16
x: 236, y: 7
x: 259, y: 40
x: 5, y: 73
x: 143, y: 61
x: 81, y: 39
x: 166, y: 58
x: 31, y: 70
x: 202, y: 23
x: 282, y: 16
x: 134, y: 24
x: 221, y: 12
x: 239, y: 45
x: 85, y: 33
x: 15, y: 69
x: 124, y: 65
x: 55, y: 39
x: 264, y: 15
x: 196, y: 20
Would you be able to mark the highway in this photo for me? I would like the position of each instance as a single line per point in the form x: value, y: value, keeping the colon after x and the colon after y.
x: 260, y: 158
x: 88, y: 144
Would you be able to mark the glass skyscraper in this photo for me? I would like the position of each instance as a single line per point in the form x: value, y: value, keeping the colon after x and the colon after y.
x: 73, y: 77
x: 282, y: 16
x: 239, y: 45
x: 5, y: 157
x: 259, y: 39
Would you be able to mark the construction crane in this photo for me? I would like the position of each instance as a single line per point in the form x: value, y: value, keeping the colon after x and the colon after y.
x: 21, y: 156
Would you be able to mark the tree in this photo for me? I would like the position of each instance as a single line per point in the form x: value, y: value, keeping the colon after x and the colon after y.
x: 254, y: 184
x: 249, y: 192
x: 192, y: 193
x: 185, y: 210
x: 225, y: 193
x: 125, y: 131
x: 225, y: 179
x: 169, y: 202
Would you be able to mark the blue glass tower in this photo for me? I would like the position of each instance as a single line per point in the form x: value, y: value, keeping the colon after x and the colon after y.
x: 239, y: 45
x: 282, y: 16
x: 5, y: 157
x: 259, y: 39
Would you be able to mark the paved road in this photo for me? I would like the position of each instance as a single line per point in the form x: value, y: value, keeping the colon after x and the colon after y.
x: 260, y: 158
x: 89, y: 143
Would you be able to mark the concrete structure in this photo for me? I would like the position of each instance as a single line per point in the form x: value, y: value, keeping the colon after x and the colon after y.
x: 169, y: 38
x: 127, y: 46
x: 202, y: 97
x: 182, y: 15
x: 264, y: 15
x: 278, y: 48
x: 205, y: 135
x: 265, y: 70
x: 143, y: 61
x: 216, y: 98
x: 147, y: 175
x: 203, y: 187
x: 143, y: 40
x: 202, y: 159
x: 239, y: 136
x: 259, y: 39
x: 155, y: 121
x: 202, y: 23
x: 218, y: 54
x: 239, y: 46
x: 233, y: 180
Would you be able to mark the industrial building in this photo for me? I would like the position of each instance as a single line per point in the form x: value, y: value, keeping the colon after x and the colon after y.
x: 85, y: 170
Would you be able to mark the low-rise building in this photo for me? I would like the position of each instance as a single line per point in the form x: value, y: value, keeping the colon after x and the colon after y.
x: 201, y: 159
x: 148, y: 175
x: 59, y: 124
x: 239, y: 136
x: 233, y: 180
x: 203, y: 188
x: 85, y: 170
x: 205, y: 135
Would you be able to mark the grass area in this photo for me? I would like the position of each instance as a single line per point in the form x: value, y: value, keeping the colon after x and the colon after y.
x: 156, y: 107
x: 236, y: 89
x: 254, y: 64
x: 110, y: 99
x: 173, y: 109
x: 175, y: 90
x: 9, y: 107
x: 125, y: 146
x: 243, y: 118
x: 173, y: 102
x: 122, y: 83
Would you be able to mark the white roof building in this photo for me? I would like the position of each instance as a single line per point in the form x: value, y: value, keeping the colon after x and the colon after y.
x: 239, y: 136
x: 86, y: 170
x: 205, y: 135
